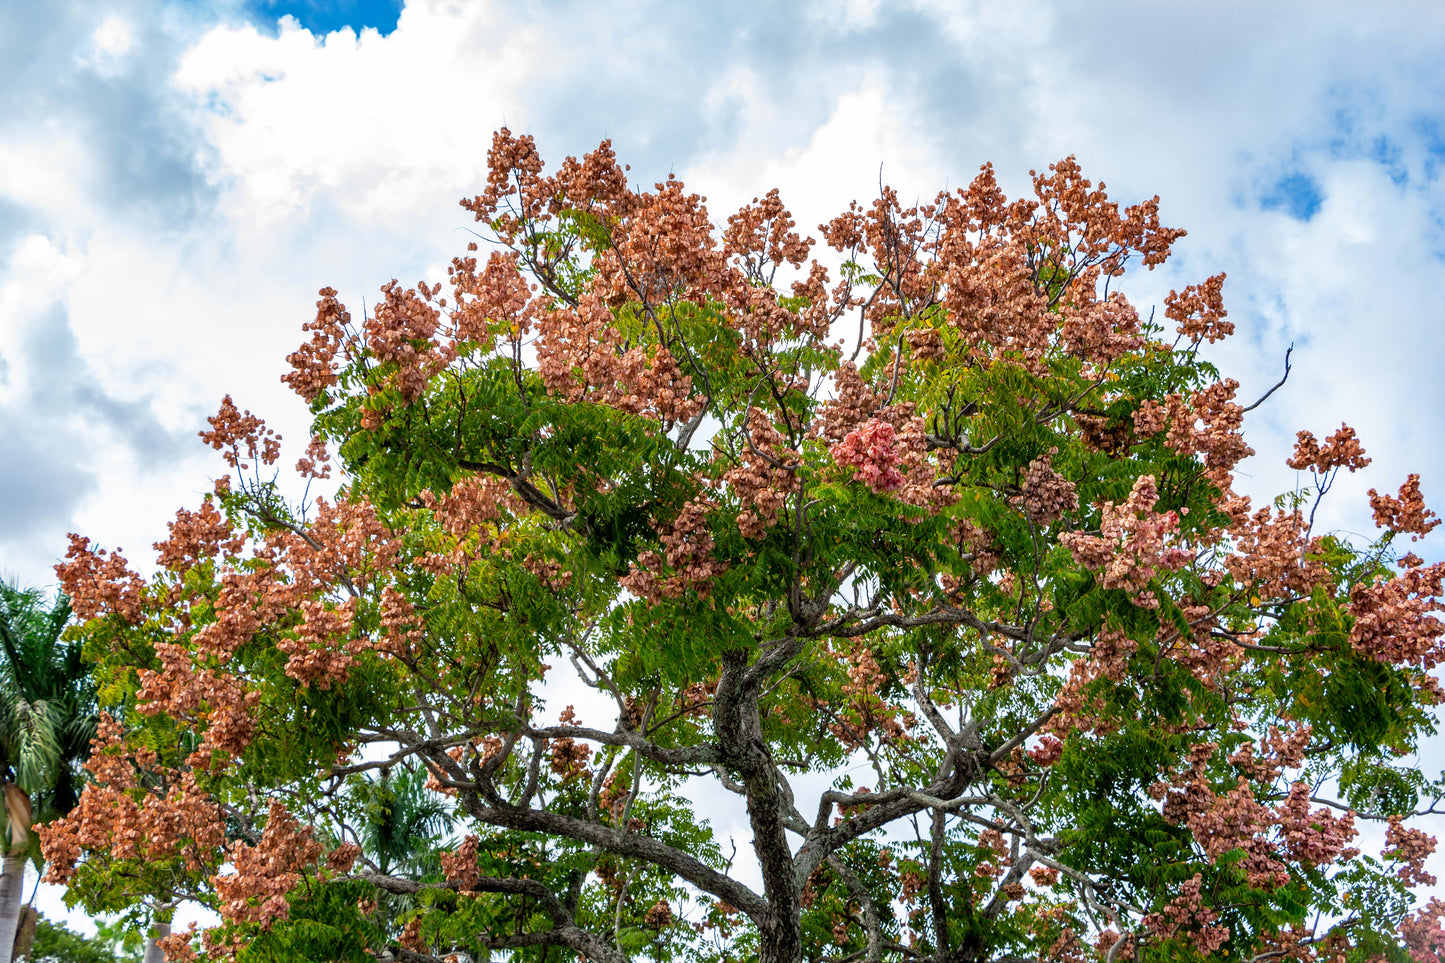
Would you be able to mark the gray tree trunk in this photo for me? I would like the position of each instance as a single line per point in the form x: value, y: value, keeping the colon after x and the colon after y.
x: 159, y: 931
x: 12, y: 886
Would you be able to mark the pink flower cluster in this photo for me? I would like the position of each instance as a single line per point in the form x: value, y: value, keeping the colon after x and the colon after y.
x: 868, y: 449
x: 1274, y: 553
x: 264, y: 873
x: 496, y: 300
x: 662, y: 250
x: 1340, y: 450
x: 164, y: 816
x: 1049, y: 750
x: 761, y: 488
x: 1210, y: 424
x: 100, y: 583
x: 243, y: 437
x: 1315, y: 838
x: 686, y: 561
x: 866, y: 716
x: 1281, y: 751
x: 1108, y: 658
x: 581, y: 356
x: 1268, y: 835
x: 1150, y: 418
x: 313, y: 365
x: 762, y: 235
x: 1100, y: 331
x: 323, y: 649
x: 402, y: 331
x: 853, y: 403
x: 976, y: 546
x: 1410, y: 847
x: 1237, y: 820
x: 472, y: 503
x: 1187, y: 918
x: 1209, y: 656
x: 1132, y: 545
x: 1045, y: 496
x: 1406, y: 513
x: 887, y: 450
x: 460, y: 865
x: 1394, y: 620
x: 1423, y: 934
x: 1199, y: 311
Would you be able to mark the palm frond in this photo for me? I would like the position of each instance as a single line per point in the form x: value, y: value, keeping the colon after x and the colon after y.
x: 37, y: 744
x: 404, y: 822
x: 48, y: 710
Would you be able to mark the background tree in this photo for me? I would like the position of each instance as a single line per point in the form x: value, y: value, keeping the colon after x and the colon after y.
x: 960, y: 608
x: 47, y: 721
x: 399, y: 824
x: 400, y: 820
x: 57, y: 943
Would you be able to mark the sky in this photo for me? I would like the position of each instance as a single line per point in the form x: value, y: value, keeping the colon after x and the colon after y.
x: 178, y: 178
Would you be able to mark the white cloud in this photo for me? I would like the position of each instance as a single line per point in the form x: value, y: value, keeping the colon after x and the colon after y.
x: 871, y: 132
x: 110, y: 46
x: 378, y: 128
x: 47, y: 169
x: 41, y: 274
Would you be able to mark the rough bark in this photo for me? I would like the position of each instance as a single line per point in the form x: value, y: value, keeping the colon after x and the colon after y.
x: 25, y: 933
x: 738, y: 727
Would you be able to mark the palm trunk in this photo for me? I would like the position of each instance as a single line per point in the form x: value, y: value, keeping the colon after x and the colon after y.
x: 12, y: 886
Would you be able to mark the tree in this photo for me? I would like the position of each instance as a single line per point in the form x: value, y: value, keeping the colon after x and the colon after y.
x: 57, y: 943
x: 402, y: 817
x: 961, y: 611
x: 47, y: 720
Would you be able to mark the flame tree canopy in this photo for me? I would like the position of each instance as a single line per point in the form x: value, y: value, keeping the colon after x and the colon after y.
x: 930, y: 568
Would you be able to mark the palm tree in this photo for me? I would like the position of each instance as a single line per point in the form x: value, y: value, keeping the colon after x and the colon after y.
x: 403, y: 823
x: 401, y: 826
x: 47, y: 719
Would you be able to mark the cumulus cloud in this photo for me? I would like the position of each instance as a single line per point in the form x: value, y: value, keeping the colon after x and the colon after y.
x: 380, y: 129
x: 66, y: 436
x: 109, y: 48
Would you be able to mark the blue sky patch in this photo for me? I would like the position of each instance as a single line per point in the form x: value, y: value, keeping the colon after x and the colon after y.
x: 1296, y: 193
x: 1433, y: 137
x: 326, y: 16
